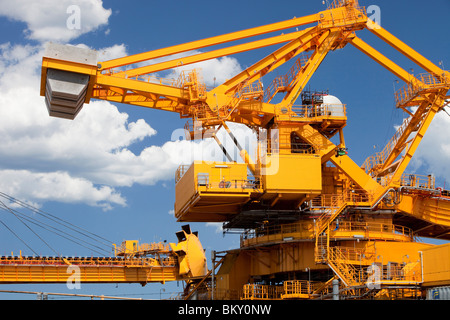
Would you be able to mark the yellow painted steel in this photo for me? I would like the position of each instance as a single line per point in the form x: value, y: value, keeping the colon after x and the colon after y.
x: 307, y: 207
x: 211, y: 191
x: 133, y: 263
x: 41, y: 270
x: 436, y: 266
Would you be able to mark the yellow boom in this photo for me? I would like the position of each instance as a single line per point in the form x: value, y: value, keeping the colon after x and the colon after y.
x: 303, y: 201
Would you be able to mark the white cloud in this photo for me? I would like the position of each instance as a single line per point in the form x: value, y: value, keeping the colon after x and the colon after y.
x: 90, y: 152
x: 45, y: 158
x: 88, y: 159
x: 53, y: 20
x: 435, y: 142
x: 57, y: 186
x: 217, y: 225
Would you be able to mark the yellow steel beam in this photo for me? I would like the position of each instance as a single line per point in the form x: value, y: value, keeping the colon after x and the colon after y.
x: 401, y: 142
x: 381, y: 59
x: 296, y: 44
x: 86, y: 274
x: 426, y: 209
x: 140, y: 100
x: 135, y: 85
x: 209, y: 55
x: 295, y: 22
x: 433, y: 109
x: 242, y: 152
x: 345, y: 163
x: 408, y: 51
x: 358, y: 175
x: 324, y: 44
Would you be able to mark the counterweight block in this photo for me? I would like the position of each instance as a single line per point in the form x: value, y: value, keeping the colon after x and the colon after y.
x: 65, y: 93
x: 67, y: 75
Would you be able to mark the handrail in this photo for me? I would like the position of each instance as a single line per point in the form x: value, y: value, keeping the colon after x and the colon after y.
x: 293, y: 287
x: 305, y: 230
x: 380, y: 157
x: 86, y: 261
x: 336, y: 200
x: 424, y: 82
x: 347, y: 271
x: 313, y: 112
x: 181, y: 170
x: 417, y: 181
x: 286, y: 81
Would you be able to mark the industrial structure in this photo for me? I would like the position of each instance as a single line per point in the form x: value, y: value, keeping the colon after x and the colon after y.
x: 310, y: 217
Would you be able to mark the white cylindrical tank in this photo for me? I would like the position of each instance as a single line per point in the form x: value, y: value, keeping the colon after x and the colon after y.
x: 333, y: 106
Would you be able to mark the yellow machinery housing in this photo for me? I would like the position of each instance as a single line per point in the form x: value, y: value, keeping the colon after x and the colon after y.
x: 211, y: 191
x: 310, y: 214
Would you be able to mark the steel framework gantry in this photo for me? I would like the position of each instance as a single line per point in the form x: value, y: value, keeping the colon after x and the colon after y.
x: 299, y: 136
x: 241, y: 99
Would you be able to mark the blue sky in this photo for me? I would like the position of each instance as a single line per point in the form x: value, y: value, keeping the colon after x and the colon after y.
x: 118, y: 179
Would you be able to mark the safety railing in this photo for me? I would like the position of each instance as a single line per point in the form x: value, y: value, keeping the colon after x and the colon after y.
x: 88, y: 261
x: 275, y: 86
x: 380, y: 157
x: 252, y: 90
x: 191, y: 80
x: 326, y: 201
x: 290, y: 289
x: 226, y: 183
x: 181, y: 170
x: 154, y: 247
x: 354, y: 12
x: 204, y: 180
x: 358, y: 265
x: 341, y: 3
x: 397, y: 273
x: 325, y: 111
x: 305, y: 230
x: 297, y: 287
x: 418, y: 181
x: 283, y: 232
x: 252, y: 291
x: 350, y: 274
x: 231, y: 184
x: 361, y: 276
x: 433, y: 81
x: 420, y: 83
x: 283, y: 83
x: 335, y: 201
x: 144, y: 249
x: 274, y: 147
x: 244, y: 91
x: 330, y: 213
x: 406, y: 93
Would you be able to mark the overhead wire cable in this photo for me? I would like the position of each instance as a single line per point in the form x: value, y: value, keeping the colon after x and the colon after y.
x: 54, y: 218
x: 12, y: 212
x: 15, y: 234
x: 58, y: 231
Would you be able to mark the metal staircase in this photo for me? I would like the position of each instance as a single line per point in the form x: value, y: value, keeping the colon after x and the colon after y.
x: 286, y: 82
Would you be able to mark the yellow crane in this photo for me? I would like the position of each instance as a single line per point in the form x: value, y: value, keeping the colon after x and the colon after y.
x: 133, y: 262
x: 313, y: 218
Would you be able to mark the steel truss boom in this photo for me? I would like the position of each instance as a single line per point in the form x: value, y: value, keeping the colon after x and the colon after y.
x: 295, y: 139
x: 117, y: 81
